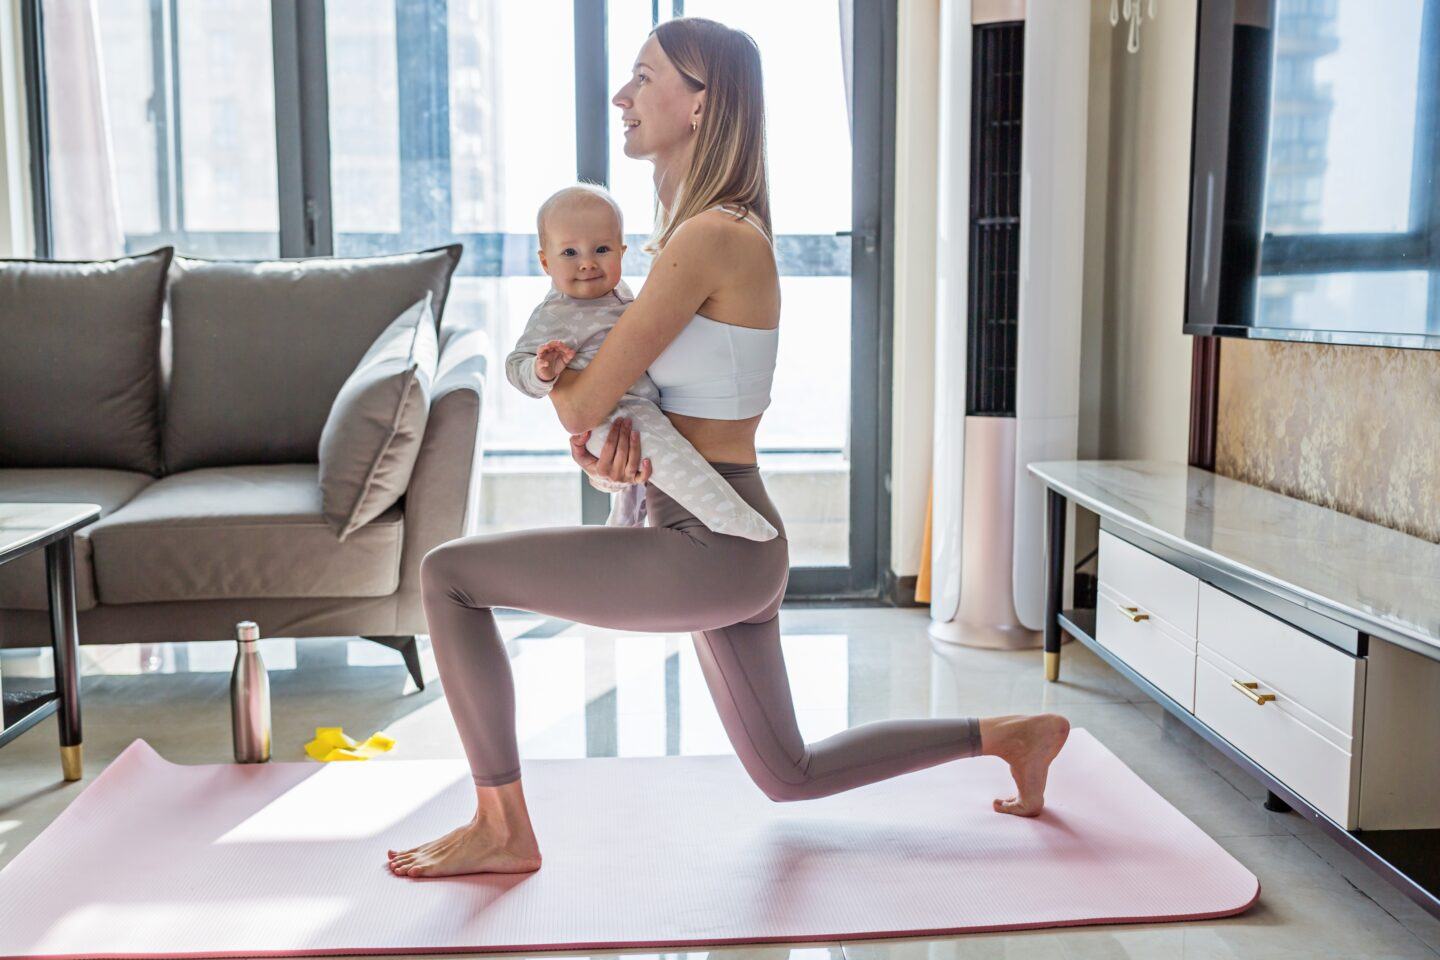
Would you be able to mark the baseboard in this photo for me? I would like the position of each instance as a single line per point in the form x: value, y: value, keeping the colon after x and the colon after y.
x: 900, y: 591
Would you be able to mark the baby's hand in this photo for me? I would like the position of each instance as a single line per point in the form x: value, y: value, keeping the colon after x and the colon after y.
x: 552, y: 358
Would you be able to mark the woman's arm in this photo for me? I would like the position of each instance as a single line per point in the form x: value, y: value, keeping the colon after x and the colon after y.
x: 681, y: 279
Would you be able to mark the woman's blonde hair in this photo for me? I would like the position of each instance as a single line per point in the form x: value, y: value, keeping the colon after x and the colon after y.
x: 728, y: 162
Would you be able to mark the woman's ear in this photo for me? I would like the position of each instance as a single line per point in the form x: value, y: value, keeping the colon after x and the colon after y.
x: 699, y: 106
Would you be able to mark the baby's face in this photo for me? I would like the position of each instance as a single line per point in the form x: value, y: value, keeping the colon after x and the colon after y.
x: 583, y: 250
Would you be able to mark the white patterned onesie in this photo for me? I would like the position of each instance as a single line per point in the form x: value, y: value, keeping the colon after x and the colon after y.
x: 676, y: 466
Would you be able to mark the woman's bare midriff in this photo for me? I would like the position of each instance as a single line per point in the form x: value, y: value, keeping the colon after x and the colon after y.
x: 722, y: 441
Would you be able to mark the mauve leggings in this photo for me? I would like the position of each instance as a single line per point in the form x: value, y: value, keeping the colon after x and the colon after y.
x: 673, y: 576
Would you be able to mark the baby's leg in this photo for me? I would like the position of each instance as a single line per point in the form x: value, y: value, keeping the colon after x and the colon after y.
x: 679, y: 470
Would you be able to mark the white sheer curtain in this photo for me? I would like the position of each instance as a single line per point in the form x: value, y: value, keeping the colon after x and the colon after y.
x: 84, y: 194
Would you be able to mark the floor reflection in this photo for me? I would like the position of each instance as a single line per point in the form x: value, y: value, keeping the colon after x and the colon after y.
x: 580, y: 691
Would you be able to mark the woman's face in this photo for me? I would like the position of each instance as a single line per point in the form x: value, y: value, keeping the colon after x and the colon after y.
x: 656, y: 106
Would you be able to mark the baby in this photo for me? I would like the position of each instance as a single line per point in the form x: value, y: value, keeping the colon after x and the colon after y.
x: 581, y: 248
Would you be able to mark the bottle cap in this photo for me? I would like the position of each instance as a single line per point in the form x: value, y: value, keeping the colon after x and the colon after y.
x: 248, y: 630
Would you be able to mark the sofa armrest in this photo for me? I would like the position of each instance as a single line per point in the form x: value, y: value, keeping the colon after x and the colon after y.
x: 442, y: 500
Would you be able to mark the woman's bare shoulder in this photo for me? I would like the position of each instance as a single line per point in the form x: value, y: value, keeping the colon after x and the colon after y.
x: 734, y: 254
x: 740, y: 264
x: 715, y: 228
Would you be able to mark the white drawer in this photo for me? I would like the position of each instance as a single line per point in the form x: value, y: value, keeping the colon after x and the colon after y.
x: 1156, y: 586
x: 1288, y: 662
x: 1151, y: 647
x: 1298, y: 748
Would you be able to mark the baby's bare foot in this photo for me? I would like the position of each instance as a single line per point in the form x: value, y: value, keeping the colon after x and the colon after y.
x: 474, y: 848
x: 1028, y: 745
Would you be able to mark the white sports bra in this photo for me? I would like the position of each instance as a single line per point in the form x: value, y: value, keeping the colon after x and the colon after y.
x: 720, y: 371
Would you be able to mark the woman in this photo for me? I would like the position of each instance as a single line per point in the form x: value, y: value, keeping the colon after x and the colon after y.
x: 705, y: 326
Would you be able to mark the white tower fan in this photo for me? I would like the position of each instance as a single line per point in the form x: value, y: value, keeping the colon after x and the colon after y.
x: 1011, y: 221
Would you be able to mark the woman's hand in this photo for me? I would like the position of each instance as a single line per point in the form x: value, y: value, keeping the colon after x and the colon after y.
x: 619, y: 461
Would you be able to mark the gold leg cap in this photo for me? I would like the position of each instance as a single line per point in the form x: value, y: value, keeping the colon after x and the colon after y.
x: 71, y: 762
x: 1052, y: 666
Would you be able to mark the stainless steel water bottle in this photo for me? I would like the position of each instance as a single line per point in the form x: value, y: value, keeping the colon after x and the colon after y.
x: 250, y: 698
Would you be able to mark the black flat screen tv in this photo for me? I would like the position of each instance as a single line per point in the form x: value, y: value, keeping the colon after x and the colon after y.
x: 1314, y: 206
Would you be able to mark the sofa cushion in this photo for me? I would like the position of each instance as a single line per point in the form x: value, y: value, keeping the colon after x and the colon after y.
x: 80, y: 368
x: 372, y: 437
x: 240, y: 532
x: 261, y: 348
x: 22, y: 582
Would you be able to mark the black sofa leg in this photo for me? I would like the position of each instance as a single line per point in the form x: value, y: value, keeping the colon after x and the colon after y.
x: 1274, y: 804
x: 408, y: 650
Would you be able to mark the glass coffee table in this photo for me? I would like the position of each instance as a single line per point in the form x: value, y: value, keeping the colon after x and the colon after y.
x: 26, y: 527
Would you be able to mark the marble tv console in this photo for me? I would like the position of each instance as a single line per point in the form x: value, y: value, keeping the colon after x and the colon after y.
x: 1301, y: 642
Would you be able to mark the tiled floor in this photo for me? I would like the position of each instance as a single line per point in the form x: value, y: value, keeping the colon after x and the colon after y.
x: 584, y: 691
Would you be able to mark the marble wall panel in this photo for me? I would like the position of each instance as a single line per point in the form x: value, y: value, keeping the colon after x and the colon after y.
x: 1356, y: 429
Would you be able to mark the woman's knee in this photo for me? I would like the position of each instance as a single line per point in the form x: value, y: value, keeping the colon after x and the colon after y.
x: 779, y: 777
x: 441, y: 568
x: 783, y: 786
x: 433, y: 563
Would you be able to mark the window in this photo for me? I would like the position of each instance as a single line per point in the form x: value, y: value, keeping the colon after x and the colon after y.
x: 1353, y: 101
x: 161, y: 124
x: 452, y: 120
x: 1351, y: 214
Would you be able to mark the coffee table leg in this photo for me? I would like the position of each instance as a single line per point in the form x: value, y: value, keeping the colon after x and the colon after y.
x: 64, y: 636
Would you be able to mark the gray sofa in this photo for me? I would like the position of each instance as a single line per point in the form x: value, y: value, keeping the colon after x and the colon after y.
x: 196, y: 434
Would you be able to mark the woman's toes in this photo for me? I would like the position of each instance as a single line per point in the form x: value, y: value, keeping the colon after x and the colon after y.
x: 1019, y: 808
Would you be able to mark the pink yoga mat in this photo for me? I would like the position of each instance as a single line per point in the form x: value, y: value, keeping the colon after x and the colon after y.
x: 288, y: 859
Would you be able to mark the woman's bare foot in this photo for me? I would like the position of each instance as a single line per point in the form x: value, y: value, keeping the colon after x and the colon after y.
x: 1028, y: 744
x: 473, y: 848
x: 498, y: 840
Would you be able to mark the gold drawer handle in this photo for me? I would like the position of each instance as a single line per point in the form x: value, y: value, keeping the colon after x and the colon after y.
x: 1248, y: 688
x: 1133, y: 614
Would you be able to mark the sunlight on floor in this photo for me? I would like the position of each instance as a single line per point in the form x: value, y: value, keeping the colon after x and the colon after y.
x: 289, y: 818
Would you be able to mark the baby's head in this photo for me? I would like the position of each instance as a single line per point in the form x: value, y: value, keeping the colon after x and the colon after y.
x: 582, y: 241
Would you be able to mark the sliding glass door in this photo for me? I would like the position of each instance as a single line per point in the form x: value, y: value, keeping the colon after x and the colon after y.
x: 804, y: 440
x: 377, y: 126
